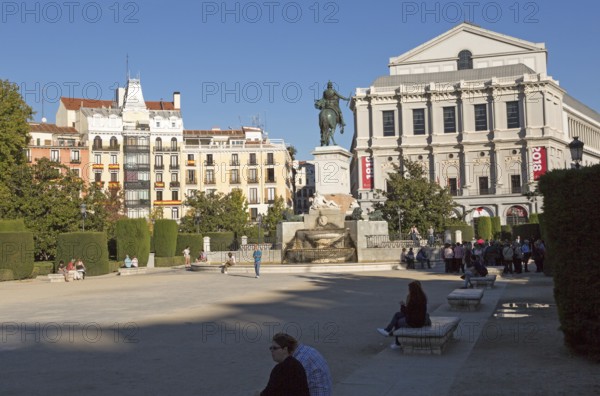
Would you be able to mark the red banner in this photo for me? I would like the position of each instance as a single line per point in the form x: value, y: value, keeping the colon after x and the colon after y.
x: 539, y: 161
x: 367, y: 173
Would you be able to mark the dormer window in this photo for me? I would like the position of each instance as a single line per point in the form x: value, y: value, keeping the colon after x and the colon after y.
x: 465, y: 60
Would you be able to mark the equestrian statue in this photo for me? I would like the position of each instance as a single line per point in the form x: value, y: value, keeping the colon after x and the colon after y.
x: 331, y: 115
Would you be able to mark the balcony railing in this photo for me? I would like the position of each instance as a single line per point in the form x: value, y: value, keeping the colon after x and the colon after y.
x: 209, y: 163
x: 191, y: 162
x: 173, y: 166
x: 174, y: 184
x: 97, y: 166
x: 516, y: 189
x: 75, y: 161
x: 485, y: 191
x: 114, y: 185
x: 253, y: 180
x: 137, y: 185
x: 209, y: 181
x: 159, y: 184
x: 253, y: 201
x: 234, y: 163
x: 100, y: 147
x: 190, y: 181
x: 269, y: 162
x: 136, y: 148
x: 252, y: 162
x: 137, y: 167
x: 234, y: 181
x: 166, y: 149
x: 136, y: 202
x: 159, y: 166
x: 269, y: 201
x: 270, y: 180
x: 114, y: 166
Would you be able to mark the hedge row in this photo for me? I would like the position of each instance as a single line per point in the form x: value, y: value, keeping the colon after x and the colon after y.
x: 91, y: 247
x: 194, y: 241
x: 571, y: 233
x: 496, y: 227
x: 483, y: 227
x: 16, y: 255
x: 133, y: 239
x: 165, y: 238
x: 168, y: 261
x: 222, y: 241
x: 467, y: 232
x: 17, y: 225
x: 526, y: 231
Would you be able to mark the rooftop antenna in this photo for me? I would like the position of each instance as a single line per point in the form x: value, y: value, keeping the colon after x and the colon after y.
x: 126, y: 68
x: 43, y: 117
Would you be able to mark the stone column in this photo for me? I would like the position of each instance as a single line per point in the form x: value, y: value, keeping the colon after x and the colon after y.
x: 206, y: 244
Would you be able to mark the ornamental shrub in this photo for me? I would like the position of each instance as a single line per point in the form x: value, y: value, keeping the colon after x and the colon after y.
x: 483, y: 228
x: 165, y: 238
x: 133, y: 238
x: 91, y: 247
x: 571, y: 232
x: 534, y: 218
x: 194, y: 241
x: 496, y: 227
x: 16, y: 254
x: 222, y: 241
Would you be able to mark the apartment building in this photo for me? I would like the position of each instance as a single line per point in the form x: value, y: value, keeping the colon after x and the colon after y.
x: 479, y: 112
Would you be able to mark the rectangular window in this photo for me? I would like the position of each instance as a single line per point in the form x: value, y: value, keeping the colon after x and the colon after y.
x: 515, y: 184
x: 190, y: 157
x: 76, y: 171
x: 253, y: 195
x: 158, y: 162
x: 453, y: 186
x: 175, y: 195
x: 191, y: 176
x: 159, y: 177
x: 484, y: 188
x: 419, y: 121
x: 54, y: 156
x: 270, y: 195
x: 159, y: 196
x: 235, y: 176
x: 209, y: 159
x: 253, y: 214
x: 389, y: 126
x: 174, y: 177
x: 449, y: 119
x: 114, y: 177
x: 97, y: 159
x: 98, y: 176
x: 113, y: 159
x: 271, y: 175
x: 235, y: 160
x: 210, y: 176
x: 512, y: 115
x: 75, y: 156
x: 174, y: 161
x: 174, y: 213
x: 481, y: 117
x: 270, y: 159
x: 252, y: 160
x: 252, y: 175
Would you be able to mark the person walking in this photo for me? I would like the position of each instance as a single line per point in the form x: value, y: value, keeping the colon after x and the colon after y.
x: 459, y: 254
x: 257, y: 256
x: 188, y: 258
x: 526, y: 250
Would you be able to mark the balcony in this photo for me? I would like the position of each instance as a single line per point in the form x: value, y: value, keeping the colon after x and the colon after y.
x: 253, y: 201
x: 75, y: 161
x: 253, y: 180
x: 209, y: 163
x: 131, y: 203
x: 234, y: 163
x: 159, y: 166
x: 191, y: 162
x: 252, y: 162
x: 114, y: 185
x: 136, y: 148
x: 269, y: 162
x: 270, y: 180
x: 166, y: 149
x: 98, y: 166
x: 269, y: 201
x: 210, y: 181
x: 174, y: 184
x: 100, y: 147
x: 173, y: 166
x: 159, y: 184
x: 516, y: 189
x: 114, y: 166
x: 234, y: 181
x: 99, y: 184
x: 137, y: 185
x: 485, y: 191
x: 167, y: 203
x: 190, y: 181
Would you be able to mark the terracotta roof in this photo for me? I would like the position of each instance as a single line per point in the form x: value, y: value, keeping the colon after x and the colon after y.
x: 52, y: 128
x: 77, y: 103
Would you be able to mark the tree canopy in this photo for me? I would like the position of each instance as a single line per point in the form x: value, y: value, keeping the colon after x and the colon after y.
x: 422, y: 203
x: 217, y: 212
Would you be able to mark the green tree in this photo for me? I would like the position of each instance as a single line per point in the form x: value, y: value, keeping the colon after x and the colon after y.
x: 211, y: 209
x: 422, y: 202
x: 235, y: 216
x: 275, y: 214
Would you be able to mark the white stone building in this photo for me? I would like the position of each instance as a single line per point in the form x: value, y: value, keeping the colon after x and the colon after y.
x: 477, y: 109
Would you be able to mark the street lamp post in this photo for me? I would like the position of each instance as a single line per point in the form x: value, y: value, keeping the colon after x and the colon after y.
x: 259, y: 221
x: 576, y: 148
x: 83, y: 210
x: 197, y: 221
x: 399, y: 224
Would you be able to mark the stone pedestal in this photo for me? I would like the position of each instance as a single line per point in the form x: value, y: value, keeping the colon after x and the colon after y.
x: 332, y: 170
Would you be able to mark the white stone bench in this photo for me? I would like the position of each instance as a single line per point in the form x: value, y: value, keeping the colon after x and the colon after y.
x: 132, y: 271
x: 485, y: 281
x: 55, y: 278
x: 465, y: 299
x: 430, y: 340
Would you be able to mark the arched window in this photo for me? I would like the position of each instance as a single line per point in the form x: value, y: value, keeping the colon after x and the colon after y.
x: 97, y: 143
x: 174, y: 144
x: 158, y: 143
x: 113, y: 142
x: 465, y: 60
x: 516, y: 215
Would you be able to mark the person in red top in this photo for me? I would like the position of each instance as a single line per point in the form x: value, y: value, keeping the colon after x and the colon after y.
x: 413, y: 313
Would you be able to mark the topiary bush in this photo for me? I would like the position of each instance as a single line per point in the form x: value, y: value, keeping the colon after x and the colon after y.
x: 570, y: 225
x: 496, y: 227
x: 133, y: 238
x: 483, y: 227
x: 194, y: 241
x: 16, y: 254
x: 91, y: 247
x: 165, y: 238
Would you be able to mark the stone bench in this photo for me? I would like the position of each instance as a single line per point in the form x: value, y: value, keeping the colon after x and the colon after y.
x: 132, y: 271
x: 430, y: 340
x: 485, y: 281
x: 56, y: 278
x: 465, y: 299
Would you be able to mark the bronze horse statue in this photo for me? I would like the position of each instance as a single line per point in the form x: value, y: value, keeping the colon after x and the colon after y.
x: 328, y: 121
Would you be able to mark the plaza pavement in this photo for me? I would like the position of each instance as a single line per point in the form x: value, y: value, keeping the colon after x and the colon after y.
x: 175, y: 332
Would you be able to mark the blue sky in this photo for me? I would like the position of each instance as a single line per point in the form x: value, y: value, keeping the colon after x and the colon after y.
x: 235, y: 61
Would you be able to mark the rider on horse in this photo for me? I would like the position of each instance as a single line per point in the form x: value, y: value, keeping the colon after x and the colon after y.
x: 331, y: 100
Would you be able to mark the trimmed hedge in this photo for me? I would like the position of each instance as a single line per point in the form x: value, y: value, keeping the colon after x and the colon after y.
x: 527, y: 231
x: 91, y: 247
x: 534, y: 218
x: 483, y: 228
x: 42, y: 268
x: 133, y: 239
x: 467, y: 232
x: 222, y: 241
x: 17, y: 225
x: 194, y: 241
x: 16, y: 255
x: 496, y: 227
x: 168, y: 261
x: 570, y: 225
x: 506, y: 233
x: 165, y: 238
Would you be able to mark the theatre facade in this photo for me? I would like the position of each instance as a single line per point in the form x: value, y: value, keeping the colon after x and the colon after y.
x: 479, y: 112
